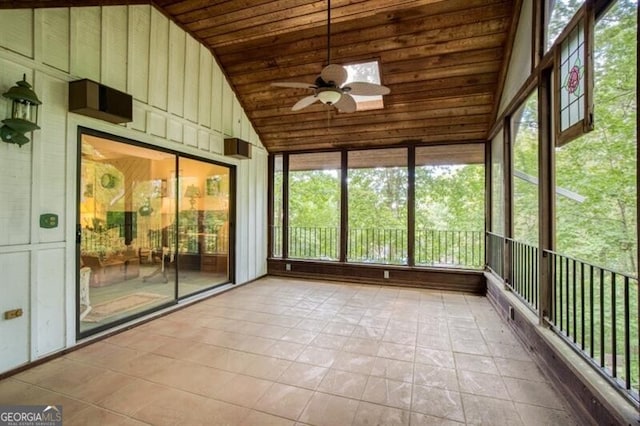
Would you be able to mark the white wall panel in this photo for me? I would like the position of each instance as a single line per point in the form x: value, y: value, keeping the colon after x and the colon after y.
x: 50, y: 156
x: 203, y: 140
x: 242, y: 225
x: 55, y: 37
x: 174, y: 130
x: 192, y: 79
x: 16, y: 31
x: 251, y: 225
x: 14, y: 287
x: 139, y: 117
x: 217, y: 143
x: 49, y: 330
x: 216, y: 97
x: 114, y: 47
x: 15, y: 170
x: 159, y: 60
x: 157, y: 124
x: 204, y: 89
x: 237, y: 118
x: 138, y: 67
x: 190, y: 135
x: 176, y: 69
x: 85, y: 47
x: 227, y: 109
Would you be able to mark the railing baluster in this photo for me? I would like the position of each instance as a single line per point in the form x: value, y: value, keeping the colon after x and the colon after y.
x: 614, y: 326
x: 627, y: 337
x: 582, y: 305
x: 591, y: 311
x: 602, y: 336
x: 575, y: 300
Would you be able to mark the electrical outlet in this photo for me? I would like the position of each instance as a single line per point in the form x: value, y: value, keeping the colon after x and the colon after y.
x: 287, y: 267
x: 386, y: 275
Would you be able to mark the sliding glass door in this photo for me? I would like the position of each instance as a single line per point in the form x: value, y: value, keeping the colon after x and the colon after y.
x: 152, y: 227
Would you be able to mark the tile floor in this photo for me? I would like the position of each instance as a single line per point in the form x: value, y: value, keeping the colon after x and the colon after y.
x: 288, y: 352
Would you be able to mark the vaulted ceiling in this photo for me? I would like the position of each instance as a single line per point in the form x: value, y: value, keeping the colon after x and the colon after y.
x: 443, y: 60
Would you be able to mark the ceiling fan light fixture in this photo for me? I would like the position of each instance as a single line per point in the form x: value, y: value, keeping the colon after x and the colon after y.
x: 330, y: 96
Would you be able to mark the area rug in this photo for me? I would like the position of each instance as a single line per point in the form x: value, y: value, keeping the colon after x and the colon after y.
x: 120, y: 305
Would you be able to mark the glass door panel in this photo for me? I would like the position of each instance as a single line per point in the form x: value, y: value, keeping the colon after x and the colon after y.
x: 203, y: 225
x: 127, y: 231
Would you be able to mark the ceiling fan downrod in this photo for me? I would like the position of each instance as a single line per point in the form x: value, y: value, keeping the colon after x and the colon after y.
x: 328, y: 32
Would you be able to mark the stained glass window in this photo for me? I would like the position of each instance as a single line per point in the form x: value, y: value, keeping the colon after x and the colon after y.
x: 572, y: 85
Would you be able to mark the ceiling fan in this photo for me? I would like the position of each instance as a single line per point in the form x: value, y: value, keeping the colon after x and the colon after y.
x: 330, y: 88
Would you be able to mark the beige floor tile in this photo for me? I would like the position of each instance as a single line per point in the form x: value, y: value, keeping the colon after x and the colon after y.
x: 296, y: 335
x: 477, y: 363
x: 343, y: 383
x: 256, y: 418
x: 142, y: 365
x: 312, y: 325
x: 439, y: 342
x: 418, y: 419
x: 473, y: 347
x: 435, y: 357
x: 369, y: 414
x: 355, y: 363
x: 97, y: 416
x: 284, y: 401
x: 328, y: 341
x: 400, y: 336
x: 19, y: 393
x: 285, y: 350
x: 480, y: 410
x: 362, y: 346
x: 265, y: 367
x: 339, y: 328
x: 533, y: 393
x: 527, y: 370
x: 329, y: 410
x: 532, y: 415
x: 482, y: 384
x: 273, y: 331
x: 371, y: 333
x: 242, y: 390
x: 133, y: 397
x: 437, y: 402
x: 396, y: 351
x: 303, y: 375
x: 435, y: 377
x: 503, y: 350
x: 318, y: 356
x: 387, y: 392
x: 393, y: 369
x: 191, y: 377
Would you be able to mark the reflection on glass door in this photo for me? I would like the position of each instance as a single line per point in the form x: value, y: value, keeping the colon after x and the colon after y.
x: 153, y: 227
x: 203, y: 225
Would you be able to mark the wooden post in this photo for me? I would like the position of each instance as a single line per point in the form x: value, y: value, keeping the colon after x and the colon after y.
x: 285, y: 206
x: 411, y: 208
x: 507, y: 178
x: 546, y: 195
x: 344, y: 211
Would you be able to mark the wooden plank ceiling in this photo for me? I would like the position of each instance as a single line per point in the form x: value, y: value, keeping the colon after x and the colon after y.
x: 442, y: 59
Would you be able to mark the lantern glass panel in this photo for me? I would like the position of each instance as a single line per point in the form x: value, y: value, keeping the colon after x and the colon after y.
x: 22, y: 110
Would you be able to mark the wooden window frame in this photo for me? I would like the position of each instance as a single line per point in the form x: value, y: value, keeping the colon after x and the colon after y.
x: 585, y: 16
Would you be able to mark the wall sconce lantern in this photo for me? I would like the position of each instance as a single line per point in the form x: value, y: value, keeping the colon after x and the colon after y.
x: 24, y: 113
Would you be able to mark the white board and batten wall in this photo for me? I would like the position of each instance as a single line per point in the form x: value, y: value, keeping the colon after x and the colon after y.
x: 182, y: 101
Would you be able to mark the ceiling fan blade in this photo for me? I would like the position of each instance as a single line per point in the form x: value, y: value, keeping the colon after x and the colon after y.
x: 304, y: 102
x: 346, y: 103
x: 360, y: 88
x: 294, y: 85
x: 334, y: 73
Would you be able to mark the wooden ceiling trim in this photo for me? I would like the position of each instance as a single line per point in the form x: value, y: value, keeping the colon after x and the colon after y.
x: 479, y: 120
x: 343, y: 120
x: 183, y: 10
x: 426, y: 139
